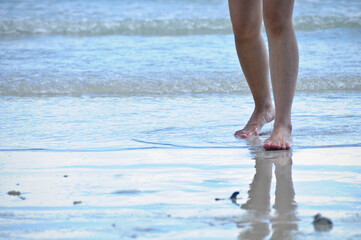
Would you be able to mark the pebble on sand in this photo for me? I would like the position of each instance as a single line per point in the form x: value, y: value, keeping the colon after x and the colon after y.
x: 14, y: 193
x: 234, y: 195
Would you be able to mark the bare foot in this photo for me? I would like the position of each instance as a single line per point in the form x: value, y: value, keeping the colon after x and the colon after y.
x: 258, y: 119
x: 281, y: 139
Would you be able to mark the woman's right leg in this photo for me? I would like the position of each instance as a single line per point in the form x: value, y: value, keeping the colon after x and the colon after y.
x: 246, y: 17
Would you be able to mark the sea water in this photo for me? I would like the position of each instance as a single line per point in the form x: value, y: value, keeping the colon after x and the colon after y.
x: 130, y: 107
x: 115, y: 75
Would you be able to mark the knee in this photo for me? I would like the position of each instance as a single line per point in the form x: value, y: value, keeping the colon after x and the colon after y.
x: 276, y: 21
x: 245, y: 29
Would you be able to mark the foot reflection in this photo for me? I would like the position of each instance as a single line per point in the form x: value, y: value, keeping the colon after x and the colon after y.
x: 259, y: 222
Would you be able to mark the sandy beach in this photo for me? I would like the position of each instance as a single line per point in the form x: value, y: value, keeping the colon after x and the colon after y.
x: 181, y: 194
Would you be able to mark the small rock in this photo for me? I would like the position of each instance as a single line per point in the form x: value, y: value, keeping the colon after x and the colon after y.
x: 234, y: 195
x: 65, y: 175
x: 77, y: 202
x: 113, y: 225
x: 14, y: 193
x: 322, y: 223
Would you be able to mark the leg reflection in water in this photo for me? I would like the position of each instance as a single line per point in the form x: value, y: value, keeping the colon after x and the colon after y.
x: 258, y: 223
x: 284, y: 222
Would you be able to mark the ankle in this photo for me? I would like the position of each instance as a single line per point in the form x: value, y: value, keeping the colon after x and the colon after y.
x: 264, y: 107
x: 283, y: 125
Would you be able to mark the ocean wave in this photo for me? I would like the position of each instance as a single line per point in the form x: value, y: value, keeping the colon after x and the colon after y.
x: 218, y: 85
x: 150, y: 27
x: 115, y: 27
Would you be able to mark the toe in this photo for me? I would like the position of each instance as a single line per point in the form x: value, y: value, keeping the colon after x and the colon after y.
x: 276, y: 146
x: 241, y: 135
x: 238, y: 133
x: 244, y: 135
x: 267, y: 146
x: 250, y: 134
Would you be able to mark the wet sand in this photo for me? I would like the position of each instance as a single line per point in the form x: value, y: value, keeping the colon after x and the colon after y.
x: 170, y: 194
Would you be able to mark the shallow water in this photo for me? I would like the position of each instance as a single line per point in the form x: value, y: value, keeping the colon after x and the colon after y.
x: 170, y: 194
x: 151, y: 167
x: 136, y: 102
x: 183, y: 121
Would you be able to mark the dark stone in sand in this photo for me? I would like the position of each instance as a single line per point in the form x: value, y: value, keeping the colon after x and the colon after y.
x: 76, y: 202
x: 65, y: 175
x: 234, y: 195
x: 14, y: 193
x: 322, y: 223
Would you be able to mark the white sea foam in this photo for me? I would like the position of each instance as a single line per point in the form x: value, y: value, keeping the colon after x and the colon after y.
x: 150, y: 27
x: 217, y: 84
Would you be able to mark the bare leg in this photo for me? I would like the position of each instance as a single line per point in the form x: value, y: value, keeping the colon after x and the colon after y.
x: 284, y: 68
x: 246, y: 17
